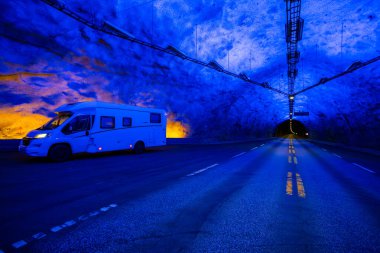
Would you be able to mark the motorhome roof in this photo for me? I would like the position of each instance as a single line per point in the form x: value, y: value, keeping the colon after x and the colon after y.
x: 96, y: 104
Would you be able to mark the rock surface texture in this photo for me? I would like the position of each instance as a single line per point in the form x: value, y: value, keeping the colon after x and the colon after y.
x: 49, y: 59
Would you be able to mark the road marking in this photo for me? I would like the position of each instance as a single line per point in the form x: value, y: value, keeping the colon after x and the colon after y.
x: 289, y: 184
x: 254, y: 148
x: 289, y: 159
x: 64, y: 225
x: 300, y: 187
x: 324, y: 149
x: 55, y: 229
x: 242, y: 153
x: 39, y: 236
x: 105, y: 209
x: 201, y: 170
x: 19, y: 244
x: 363, y: 168
x: 295, y: 160
x: 337, y: 155
x: 94, y: 213
x: 69, y: 223
x: 82, y: 218
x: 294, y: 151
x: 262, y: 145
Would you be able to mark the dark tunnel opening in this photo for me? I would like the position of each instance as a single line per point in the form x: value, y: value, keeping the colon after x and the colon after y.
x: 298, y: 128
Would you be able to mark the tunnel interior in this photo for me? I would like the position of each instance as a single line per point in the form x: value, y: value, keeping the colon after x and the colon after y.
x: 42, y: 69
x: 298, y: 128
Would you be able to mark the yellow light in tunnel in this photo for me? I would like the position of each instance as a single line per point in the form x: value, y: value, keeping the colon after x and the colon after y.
x: 15, y: 125
x: 176, y: 128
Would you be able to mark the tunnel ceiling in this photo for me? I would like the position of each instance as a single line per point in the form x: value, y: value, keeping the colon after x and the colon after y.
x: 49, y: 59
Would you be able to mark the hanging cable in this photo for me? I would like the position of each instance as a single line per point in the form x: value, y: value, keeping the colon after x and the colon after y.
x: 108, y: 28
x: 354, y: 66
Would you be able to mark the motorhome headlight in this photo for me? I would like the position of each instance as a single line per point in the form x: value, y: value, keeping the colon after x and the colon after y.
x: 40, y: 136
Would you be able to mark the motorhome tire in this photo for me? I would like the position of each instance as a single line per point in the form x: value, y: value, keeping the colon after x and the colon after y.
x: 59, y: 153
x: 139, y: 147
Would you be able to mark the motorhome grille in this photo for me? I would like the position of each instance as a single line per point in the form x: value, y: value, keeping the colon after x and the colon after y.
x: 26, y: 141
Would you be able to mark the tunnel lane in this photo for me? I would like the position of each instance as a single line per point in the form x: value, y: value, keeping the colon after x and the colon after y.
x: 285, y: 196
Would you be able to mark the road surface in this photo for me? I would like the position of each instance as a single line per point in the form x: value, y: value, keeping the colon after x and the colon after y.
x: 284, y: 195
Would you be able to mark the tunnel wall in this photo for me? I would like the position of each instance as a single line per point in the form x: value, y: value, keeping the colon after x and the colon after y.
x: 49, y: 59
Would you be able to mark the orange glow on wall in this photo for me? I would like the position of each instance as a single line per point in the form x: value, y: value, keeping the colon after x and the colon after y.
x: 18, y: 77
x: 176, y: 129
x: 15, y: 125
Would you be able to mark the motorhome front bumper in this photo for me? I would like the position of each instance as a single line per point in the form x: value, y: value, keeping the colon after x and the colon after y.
x: 33, y: 148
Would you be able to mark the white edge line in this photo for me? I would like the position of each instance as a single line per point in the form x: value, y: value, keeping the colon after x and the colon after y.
x: 69, y: 223
x: 254, y: 148
x: 262, y: 145
x: 201, y: 170
x: 337, y: 155
x: 242, y: 153
x: 324, y: 149
x: 363, y: 168
x: 19, y: 244
x: 55, y: 229
x: 39, y: 236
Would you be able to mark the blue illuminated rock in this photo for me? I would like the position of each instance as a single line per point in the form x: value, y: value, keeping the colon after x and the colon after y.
x: 37, y: 40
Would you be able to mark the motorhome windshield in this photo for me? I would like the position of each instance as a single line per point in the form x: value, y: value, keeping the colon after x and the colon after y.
x: 56, y: 122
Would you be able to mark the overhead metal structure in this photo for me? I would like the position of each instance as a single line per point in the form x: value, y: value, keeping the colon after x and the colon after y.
x: 293, y: 34
x: 354, y: 66
x: 106, y: 27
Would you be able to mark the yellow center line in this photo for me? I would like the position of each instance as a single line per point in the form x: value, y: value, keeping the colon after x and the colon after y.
x: 300, y: 187
x: 289, y: 184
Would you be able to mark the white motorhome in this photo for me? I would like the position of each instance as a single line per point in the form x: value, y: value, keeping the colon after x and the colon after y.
x: 92, y: 127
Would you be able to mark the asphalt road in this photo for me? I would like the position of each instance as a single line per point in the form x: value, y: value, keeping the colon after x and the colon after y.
x: 284, y: 195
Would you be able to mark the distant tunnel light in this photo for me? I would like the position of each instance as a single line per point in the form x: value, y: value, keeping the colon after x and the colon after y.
x: 100, y: 148
x: 291, y: 97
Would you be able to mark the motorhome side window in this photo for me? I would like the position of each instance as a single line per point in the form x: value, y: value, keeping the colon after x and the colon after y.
x: 107, y: 122
x: 127, y: 122
x: 155, y: 118
x: 77, y: 124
